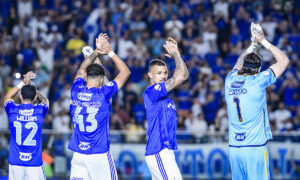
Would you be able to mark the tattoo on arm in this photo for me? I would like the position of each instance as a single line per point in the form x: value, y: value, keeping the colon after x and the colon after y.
x: 89, y: 60
x: 183, y: 67
x: 180, y: 71
x: 240, y: 61
x: 41, y: 98
x: 170, y: 84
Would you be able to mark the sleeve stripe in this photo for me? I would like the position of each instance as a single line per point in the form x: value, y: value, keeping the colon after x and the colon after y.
x: 272, y: 72
x: 8, y: 102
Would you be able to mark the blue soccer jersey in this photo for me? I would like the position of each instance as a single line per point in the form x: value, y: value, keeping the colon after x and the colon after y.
x: 90, y: 117
x: 161, y: 119
x: 26, y: 122
x: 247, y: 108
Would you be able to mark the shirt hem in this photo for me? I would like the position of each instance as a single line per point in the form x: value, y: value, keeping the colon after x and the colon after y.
x: 25, y: 165
x: 149, y: 154
x: 249, y: 145
x: 100, y: 152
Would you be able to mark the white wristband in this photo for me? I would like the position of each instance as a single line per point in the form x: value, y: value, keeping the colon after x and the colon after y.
x: 111, y: 54
x: 266, y: 44
x: 20, y: 85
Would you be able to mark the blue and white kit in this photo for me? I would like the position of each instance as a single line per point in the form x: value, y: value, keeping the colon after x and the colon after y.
x: 90, y: 139
x: 162, y: 125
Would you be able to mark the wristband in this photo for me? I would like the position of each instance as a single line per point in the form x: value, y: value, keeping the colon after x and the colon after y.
x: 266, y: 44
x: 111, y: 54
x: 20, y: 85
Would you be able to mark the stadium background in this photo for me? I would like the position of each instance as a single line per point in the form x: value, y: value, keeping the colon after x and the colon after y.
x: 46, y: 36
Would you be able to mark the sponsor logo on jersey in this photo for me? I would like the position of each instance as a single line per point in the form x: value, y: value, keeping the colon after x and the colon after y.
x: 84, y: 145
x: 240, y: 136
x: 157, y: 87
x: 171, y: 105
x: 237, y: 84
x: 85, y: 96
x: 26, y: 112
x: 25, y: 156
x: 237, y: 91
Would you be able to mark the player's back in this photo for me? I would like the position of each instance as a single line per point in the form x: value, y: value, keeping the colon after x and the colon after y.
x: 26, y: 122
x: 247, y: 108
x: 90, y: 117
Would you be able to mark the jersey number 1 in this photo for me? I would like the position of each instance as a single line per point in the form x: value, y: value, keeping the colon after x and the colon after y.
x: 238, y: 108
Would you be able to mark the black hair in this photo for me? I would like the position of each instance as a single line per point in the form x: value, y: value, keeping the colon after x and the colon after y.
x: 157, y: 62
x: 95, y: 70
x: 28, y: 92
x: 252, y: 64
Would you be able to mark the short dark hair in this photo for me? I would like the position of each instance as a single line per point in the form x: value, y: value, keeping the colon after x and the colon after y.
x: 95, y: 70
x: 252, y: 64
x: 157, y: 62
x: 28, y: 92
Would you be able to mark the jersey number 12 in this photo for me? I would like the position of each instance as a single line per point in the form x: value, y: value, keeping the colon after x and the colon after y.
x: 29, y: 140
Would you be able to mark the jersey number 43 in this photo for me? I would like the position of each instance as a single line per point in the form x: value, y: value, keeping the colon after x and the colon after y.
x: 91, y: 123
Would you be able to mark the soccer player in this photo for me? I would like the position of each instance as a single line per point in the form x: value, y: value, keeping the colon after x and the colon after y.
x: 161, y: 114
x: 245, y: 94
x: 89, y: 109
x: 26, y: 120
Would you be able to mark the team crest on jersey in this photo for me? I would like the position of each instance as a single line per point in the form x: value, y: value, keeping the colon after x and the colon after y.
x: 85, y: 96
x: 109, y: 84
x: 25, y: 156
x: 84, y: 145
x: 240, y: 136
x: 237, y: 84
x: 171, y: 105
x: 157, y: 87
x: 26, y: 112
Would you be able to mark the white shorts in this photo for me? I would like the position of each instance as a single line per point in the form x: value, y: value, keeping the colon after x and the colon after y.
x: 162, y: 165
x: 93, y: 166
x: 26, y: 173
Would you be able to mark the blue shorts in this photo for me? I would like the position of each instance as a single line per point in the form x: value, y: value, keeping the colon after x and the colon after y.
x: 249, y: 163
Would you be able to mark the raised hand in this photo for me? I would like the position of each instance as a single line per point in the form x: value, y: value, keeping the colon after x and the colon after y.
x: 257, y: 32
x: 102, y: 44
x: 171, y: 48
x: 28, y: 77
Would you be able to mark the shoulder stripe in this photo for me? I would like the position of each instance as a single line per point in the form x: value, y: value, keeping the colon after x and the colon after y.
x: 10, y: 101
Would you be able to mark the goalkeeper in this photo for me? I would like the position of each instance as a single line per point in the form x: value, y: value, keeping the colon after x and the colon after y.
x: 245, y: 94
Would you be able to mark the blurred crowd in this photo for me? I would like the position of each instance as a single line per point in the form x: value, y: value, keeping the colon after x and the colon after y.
x: 46, y: 36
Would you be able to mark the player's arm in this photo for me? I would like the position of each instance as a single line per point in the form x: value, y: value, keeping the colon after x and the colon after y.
x: 181, y: 73
x: 240, y: 61
x: 42, y: 98
x: 282, y: 60
x: 87, y: 51
x: 105, y: 48
x: 98, y: 61
x: 89, y: 60
x: 14, y: 91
